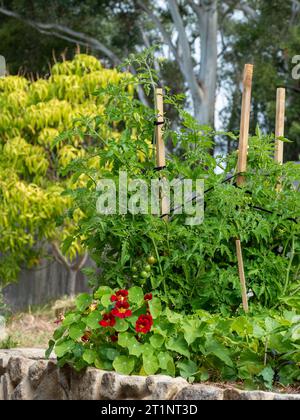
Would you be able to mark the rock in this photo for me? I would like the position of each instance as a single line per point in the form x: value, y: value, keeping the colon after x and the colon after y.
x: 52, y: 386
x: 86, y: 385
x: 110, y: 386
x: 133, y: 387
x: 200, y: 392
x: 36, y: 372
x: 287, y: 397
x: 3, y: 332
x: 163, y: 387
x: 4, y: 358
x: 23, y: 392
x: 28, y: 353
x: 6, y: 387
x: 17, y: 369
x: 236, y: 394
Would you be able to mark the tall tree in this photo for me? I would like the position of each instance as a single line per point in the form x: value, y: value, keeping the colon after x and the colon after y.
x: 268, y: 36
x: 187, y: 27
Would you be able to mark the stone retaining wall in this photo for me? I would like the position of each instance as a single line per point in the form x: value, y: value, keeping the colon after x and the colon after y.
x: 25, y: 374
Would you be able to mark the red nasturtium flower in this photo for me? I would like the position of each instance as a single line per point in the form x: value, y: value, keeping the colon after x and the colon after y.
x: 108, y: 320
x: 114, y: 337
x: 121, y: 310
x: 148, y: 296
x: 144, y: 324
x: 86, y: 337
x: 120, y: 296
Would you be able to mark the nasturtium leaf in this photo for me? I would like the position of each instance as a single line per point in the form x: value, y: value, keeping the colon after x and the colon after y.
x: 103, y: 290
x: 136, y: 295
x: 71, y: 319
x: 77, y: 330
x: 83, y: 301
x: 103, y: 364
x: 179, y: 345
x: 124, y: 364
x: 89, y: 356
x: 111, y: 353
x: 121, y: 325
x: 50, y: 348
x: 157, y: 341
x: 155, y: 307
x: 150, y: 364
x: 166, y: 363
x: 59, y: 332
x: 148, y: 349
x: 105, y: 300
x: 123, y: 339
x: 92, y: 320
x: 64, y: 347
x: 134, y: 347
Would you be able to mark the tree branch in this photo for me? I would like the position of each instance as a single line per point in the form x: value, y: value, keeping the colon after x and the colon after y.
x: 58, y: 255
x: 166, y: 36
x: 66, y: 33
x: 80, y: 263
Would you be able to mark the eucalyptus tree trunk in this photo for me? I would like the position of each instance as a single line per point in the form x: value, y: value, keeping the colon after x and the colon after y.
x: 200, y: 83
x: 208, y: 65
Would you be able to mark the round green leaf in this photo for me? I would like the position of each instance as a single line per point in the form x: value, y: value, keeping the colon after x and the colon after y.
x: 103, y: 290
x: 83, y: 301
x: 89, y: 356
x: 166, y: 363
x: 124, y: 364
x: 157, y: 341
x: 59, y: 332
x: 121, y: 325
x: 134, y: 347
x: 77, y: 330
x: 105, y: 300
x: 123, y: 339
x: 155, y: 307
x: 64, y: 348
x: 150, y: 364
x: 136, y: 295
x: 92, y: 320
x: 71, y: 319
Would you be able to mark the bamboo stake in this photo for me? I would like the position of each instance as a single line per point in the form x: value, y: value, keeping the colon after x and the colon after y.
x: 245, y: 123
x: 279, y: 130
x: 160, y: 145
x: 242, y: 275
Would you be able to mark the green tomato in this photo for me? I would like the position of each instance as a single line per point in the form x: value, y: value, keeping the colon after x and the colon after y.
x: 151, y: 260
x: 135, y: 276
x: 144, y: 274
x: 148, y: 268
x: 134, y: 269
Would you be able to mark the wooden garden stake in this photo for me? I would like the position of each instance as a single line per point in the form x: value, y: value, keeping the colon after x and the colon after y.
x: 279, y: 130
x: 245, y: 123
x: 160, y: 145
x: 242, y: 164
x: 242, y: 275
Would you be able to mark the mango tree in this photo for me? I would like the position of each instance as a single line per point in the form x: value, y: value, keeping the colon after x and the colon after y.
x: 34, y: 215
